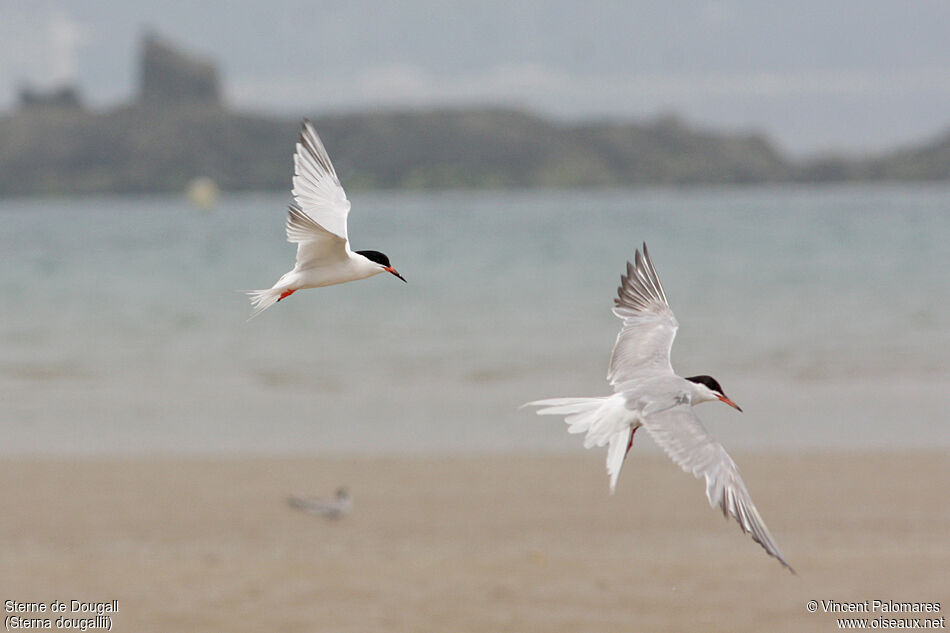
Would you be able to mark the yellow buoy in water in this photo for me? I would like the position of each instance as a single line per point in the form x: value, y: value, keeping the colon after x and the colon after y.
x: 202, y: 193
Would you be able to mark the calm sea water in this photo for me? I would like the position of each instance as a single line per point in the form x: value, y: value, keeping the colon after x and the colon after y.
x: 825, y: 312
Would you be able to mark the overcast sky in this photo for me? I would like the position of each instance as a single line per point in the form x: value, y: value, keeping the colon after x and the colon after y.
x: 814, y: 75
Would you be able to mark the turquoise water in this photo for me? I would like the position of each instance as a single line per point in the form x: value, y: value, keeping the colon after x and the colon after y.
x: 825, y: 312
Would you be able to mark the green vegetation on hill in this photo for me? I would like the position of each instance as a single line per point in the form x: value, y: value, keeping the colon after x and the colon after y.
x: 151, y: 147
x: 145, y: 148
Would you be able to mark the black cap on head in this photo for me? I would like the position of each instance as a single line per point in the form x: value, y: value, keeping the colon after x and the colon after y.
x: 709, y: 381
x: 380, y: 258
x: 376, y: 256
x: 713, y: 384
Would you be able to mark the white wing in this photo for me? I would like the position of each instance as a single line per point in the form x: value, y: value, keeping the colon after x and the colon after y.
x: 315, y: 244
x: 643, y: 346
x: 680, y: 433
x: 317, y: 190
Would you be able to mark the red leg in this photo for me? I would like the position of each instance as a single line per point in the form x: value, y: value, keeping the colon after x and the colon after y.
x: 630, y: 442
x: 286, y: 294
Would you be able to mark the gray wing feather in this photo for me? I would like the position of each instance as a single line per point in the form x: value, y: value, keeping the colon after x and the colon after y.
x: 681, y: 434
x: 649, y: 326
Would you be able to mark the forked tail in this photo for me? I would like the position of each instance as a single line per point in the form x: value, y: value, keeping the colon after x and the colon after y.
x: 602, y: 419
x: 579, y: 413
x: 263, y: 299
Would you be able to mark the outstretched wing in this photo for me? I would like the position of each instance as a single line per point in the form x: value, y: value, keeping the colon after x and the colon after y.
x: 681, y: 434
x: 643, y: 346
x: 316, y: 189
x: 315, y: 244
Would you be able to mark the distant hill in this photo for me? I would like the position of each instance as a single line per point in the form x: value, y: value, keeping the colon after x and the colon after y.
x: 141, y: 149
x: 929, y: 161
x: 146, y: 148
x: 509, y: 148
x: 178, y: 128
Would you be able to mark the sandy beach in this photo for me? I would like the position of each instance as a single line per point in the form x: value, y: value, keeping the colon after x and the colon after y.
x: 470, y: 543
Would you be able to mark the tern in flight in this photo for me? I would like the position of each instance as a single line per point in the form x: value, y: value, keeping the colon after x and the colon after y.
x: 648, y: 393
x: 334, y: 508
x: 317, y: 224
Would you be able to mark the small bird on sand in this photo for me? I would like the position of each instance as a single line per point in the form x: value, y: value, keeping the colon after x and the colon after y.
x: 317, y: 224
x: 648, y: 393
x: 334, y: 508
